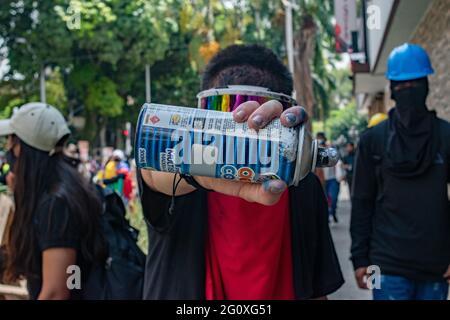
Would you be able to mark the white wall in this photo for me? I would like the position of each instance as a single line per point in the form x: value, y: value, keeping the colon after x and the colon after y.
x: 375, y: 35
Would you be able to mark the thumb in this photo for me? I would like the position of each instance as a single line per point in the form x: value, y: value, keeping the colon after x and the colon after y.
x: 268, y: 193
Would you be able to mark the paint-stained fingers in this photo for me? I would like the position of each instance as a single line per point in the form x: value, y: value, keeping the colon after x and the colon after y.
x: 244, y: 110
x: 264, y: 114
x: 293, y: 116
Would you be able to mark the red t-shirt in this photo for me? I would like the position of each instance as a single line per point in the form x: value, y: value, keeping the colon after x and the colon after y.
x: 248, y: 250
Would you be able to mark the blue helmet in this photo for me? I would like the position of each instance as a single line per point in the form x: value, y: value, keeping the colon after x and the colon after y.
x: 408, y: 62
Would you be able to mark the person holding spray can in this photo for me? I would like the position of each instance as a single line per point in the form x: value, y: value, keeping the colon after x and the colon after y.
x: 217, y: 239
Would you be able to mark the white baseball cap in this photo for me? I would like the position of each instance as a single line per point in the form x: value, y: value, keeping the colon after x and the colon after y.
x: 37, y: 124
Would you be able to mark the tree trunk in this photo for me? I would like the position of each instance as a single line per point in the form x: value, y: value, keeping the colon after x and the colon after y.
x: 304, y: 41
x: 102, y: 133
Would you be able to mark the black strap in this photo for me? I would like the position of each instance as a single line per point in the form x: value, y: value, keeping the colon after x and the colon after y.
x: 191, y: 180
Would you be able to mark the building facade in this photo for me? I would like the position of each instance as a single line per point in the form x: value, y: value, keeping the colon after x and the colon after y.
x: 424, y: 22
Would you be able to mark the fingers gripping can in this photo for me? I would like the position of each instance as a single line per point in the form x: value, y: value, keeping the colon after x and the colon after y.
x: 229, y: 97
x: 210, y: 143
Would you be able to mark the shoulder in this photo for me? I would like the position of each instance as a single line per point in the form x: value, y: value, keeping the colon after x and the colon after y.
x: 52, y: 208
x: 444, y: 132
x: 55, y: 225
x: 51, y: 200
x: 372, y: 140
x: 444, y: 126
x: 373, y: 134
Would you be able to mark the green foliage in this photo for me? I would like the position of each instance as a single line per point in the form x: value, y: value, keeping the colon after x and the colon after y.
x: 177, y: 82
x: 10, y: 97
x: 34, y: 35
x: 56, y: 92
x: 342, y: 121
x: 317, y: 126
x: 102, y: 98
x: 8, y: 109
x: 97, y: 67
x: 81, y: 77
x: 325, y: 81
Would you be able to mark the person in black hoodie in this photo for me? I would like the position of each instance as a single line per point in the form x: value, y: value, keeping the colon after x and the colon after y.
x: 401, y: 210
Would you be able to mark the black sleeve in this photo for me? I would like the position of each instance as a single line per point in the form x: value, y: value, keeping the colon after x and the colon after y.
x: 448, y: 161
x: 156, y: 205
x: 444, y: 130
x: 317, y: 271
x: 328, y: 277
x: 448, y: 169
x: 447, y: 139
x: 56, y: 226
x: 363, y: 203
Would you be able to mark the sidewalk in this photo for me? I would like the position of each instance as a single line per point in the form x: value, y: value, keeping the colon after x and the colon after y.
x: 341, y: 237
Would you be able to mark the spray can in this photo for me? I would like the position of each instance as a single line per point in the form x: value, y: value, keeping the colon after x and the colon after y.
x: 210, y: 143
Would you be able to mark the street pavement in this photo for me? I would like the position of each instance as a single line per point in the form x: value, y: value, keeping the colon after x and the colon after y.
x: 341, y: 236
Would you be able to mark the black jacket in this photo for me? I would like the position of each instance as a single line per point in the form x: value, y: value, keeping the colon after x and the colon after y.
x: 401, y: 224
x: 176, y: 263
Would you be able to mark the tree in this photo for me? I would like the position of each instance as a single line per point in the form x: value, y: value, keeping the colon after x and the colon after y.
x: 343, y: 121
x: 303, y: 79
x: 34, y: 35
x: 98, y: 60
x: 96, y: 66
x: 313, y: 45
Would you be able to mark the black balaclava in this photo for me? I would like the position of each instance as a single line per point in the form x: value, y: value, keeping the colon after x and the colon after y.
x: 410, y: 102
x: 413, y: 139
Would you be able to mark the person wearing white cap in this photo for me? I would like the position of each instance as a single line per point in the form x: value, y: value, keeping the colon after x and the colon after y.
x: 56, y: 219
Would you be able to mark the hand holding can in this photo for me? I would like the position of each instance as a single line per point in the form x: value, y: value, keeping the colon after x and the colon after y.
x: 263, y: 144
x: 257, y: 117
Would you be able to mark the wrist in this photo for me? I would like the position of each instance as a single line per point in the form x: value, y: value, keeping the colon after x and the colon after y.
x: 360, y: 262
x: 197, y: 182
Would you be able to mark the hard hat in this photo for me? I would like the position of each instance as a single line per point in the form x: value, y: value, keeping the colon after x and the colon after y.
x: 376, y: 119
x: 408, y: 62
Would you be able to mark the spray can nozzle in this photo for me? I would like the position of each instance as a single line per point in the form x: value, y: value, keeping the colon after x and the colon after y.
x: 326, y: 157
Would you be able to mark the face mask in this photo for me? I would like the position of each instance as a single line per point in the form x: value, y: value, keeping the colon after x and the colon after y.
x: 73, y: 162
x: 410, y: 103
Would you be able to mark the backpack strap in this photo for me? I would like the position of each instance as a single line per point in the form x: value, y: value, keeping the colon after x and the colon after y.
x: 377, y: 152
x: 444, y: 145
x: 380, y: 137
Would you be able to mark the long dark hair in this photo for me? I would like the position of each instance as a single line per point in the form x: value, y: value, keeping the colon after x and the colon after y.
x: 37, y: 174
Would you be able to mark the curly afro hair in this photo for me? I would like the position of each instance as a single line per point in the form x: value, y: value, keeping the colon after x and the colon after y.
x: 253, y: 65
